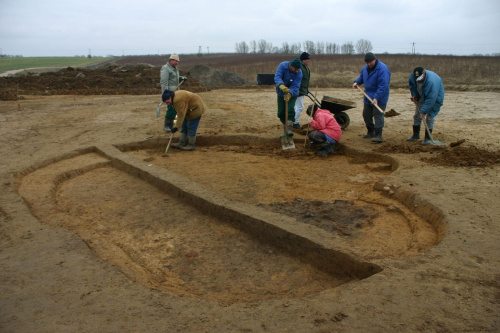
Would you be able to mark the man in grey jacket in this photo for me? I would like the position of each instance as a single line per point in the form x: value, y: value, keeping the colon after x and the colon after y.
x: 169, y: 80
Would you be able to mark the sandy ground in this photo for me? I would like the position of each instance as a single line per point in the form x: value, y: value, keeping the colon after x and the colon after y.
x: 85, y: 247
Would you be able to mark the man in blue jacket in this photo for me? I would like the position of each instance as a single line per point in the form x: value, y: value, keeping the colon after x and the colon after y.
x: 376, y: 76
x: 427, y: 92
x: 287, y: 78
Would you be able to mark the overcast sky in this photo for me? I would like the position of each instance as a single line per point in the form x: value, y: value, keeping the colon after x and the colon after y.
x: 111, y: 27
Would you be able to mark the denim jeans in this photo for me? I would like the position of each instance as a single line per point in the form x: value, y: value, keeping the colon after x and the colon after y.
x: 190, y: 126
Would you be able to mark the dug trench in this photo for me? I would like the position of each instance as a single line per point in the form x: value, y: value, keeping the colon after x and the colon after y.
x: 169, y: 222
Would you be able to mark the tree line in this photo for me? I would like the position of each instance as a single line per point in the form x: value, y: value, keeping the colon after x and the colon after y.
x: 262, y: 46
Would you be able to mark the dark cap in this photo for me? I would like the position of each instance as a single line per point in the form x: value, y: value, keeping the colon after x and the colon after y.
x: 295, y: 63
x: 312, y: 109
x: 166, y: 95
x: 369, y: 57
x: 418, y: 73
x: 305, y: 56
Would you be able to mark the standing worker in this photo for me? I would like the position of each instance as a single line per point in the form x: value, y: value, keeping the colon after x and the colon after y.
x: 305, y: 59
x: 427, y: 92
x: 287, y: 78
x: 169, y: 80
x: 326, y: 131
x: 189, y: 107
x: 376, y: 76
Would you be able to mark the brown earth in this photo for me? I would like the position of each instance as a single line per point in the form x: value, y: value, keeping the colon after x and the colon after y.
x: 89, y: 244
x: 141, y: 79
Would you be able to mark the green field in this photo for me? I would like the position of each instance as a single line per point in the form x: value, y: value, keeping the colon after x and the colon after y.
x: 7, y: 64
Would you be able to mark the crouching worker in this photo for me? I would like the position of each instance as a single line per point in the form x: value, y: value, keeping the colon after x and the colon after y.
x: 326, y: 131
x: 189, y: 107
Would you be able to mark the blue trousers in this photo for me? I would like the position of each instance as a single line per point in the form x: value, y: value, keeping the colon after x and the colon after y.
x: 190, y: 126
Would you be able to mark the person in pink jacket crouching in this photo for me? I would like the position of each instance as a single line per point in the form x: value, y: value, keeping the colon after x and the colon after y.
x: 326, y: 131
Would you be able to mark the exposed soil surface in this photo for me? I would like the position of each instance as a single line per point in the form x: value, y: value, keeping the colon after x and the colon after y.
x: 86, y: 245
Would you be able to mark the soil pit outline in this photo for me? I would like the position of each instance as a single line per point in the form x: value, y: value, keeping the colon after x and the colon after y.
x: 307, y: 242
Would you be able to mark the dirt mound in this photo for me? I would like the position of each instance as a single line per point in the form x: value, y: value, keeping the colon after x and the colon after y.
x: 405, y: 148
x: 465, y: 156
x: 391, y: 113
x: 454, y: 156
x: 112, y: 80
x: 215, y: 78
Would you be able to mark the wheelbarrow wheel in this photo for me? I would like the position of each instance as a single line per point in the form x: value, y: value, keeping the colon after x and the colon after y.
x: 343, y: 119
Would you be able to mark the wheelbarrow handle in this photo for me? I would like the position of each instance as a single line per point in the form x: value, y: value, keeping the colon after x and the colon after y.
x: 371, y: 100
x: 313, y: 98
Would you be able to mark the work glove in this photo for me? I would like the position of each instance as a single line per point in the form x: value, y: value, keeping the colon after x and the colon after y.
x: 284, y: 88
x: 183, y: 78
x: 375, y: 102
x: 174, y: 130
x: 287, y: 96
x: 415, y: 99
x: 355, y: 85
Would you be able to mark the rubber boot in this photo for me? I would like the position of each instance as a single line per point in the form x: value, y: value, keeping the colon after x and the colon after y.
x: 427, y: 139
x: 289, y: 128
x: 370, y: 133
x: 326, y: 149
x: 378, y: 136
x: 191, y: 143
x: 182, y: 141
x: 416, y: 134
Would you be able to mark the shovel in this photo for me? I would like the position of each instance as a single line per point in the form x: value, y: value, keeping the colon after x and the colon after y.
x: 371, y: 100
x: 169, y: 142
x: 286, y: 140
x: 433, y: 142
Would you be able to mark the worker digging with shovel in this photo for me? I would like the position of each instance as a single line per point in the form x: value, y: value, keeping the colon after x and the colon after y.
x: 287, y: 78
x: 427, y: 92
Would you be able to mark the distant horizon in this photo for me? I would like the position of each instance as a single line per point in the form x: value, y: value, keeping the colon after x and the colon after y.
x: 249, y: 53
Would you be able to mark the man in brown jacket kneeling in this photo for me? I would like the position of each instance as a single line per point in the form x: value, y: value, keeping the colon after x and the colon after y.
x: 189, y: 107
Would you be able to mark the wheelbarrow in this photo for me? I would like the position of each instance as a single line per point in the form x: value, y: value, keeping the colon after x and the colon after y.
x: 336, y: 106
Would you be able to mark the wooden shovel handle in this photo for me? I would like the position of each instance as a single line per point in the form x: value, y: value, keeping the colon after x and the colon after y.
x: 371, y: 100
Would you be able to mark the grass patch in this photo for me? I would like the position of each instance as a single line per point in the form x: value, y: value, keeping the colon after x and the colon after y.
x: 7, y: 64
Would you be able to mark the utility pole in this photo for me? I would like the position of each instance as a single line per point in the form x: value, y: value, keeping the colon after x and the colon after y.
x: 208, y: 50
x: 413, y: 48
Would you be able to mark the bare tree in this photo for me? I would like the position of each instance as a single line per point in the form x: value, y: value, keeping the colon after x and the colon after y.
x: 241, y: 47
x: 332, y: 48
x: 262, y: 46
x: 320, y: 47
x: 363, y: 46
x: 253, y: 46
x: 285, y: 48
x: 295, y: 48
x: 347, y: 48
x: 309, y: 46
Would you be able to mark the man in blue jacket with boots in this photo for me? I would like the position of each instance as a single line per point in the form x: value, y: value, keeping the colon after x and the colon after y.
x: 427, y: 92
x: 287, y: 78
x: 376, y: 76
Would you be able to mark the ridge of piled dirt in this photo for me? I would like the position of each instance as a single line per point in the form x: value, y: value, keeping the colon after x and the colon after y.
x: 210, y: 77
x: 138, y: 79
